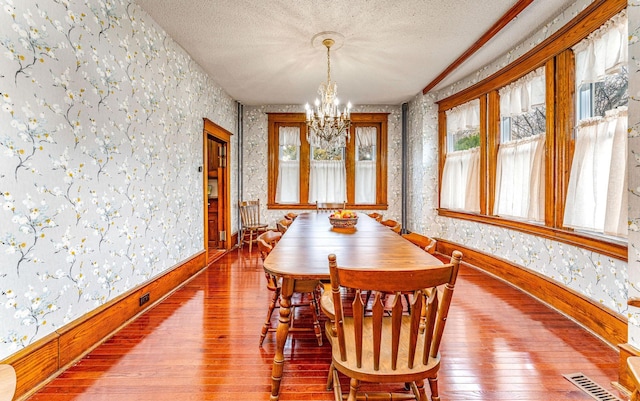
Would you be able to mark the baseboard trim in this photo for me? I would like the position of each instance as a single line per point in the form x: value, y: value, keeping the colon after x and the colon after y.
x: 40, y: 362
x: 610, y: 326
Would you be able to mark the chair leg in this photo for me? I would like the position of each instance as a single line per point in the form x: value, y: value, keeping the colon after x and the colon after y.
x: 337, y: 388
x: 250, y: 239
x: 314, y: 314
x: 330, y: 377
x: 433, y: 384
x: 267, y: 323
x: 354, y: 384
x: 418, y: 390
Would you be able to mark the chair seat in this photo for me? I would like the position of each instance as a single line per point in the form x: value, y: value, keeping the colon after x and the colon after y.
x: 385, y: 374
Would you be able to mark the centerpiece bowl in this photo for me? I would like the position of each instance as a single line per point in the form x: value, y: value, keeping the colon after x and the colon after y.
x: 343, y: 219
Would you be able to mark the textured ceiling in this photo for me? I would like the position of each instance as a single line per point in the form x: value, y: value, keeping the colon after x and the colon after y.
x: 261, y: 52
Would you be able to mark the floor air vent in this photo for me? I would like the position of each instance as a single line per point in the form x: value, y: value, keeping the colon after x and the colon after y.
x: 590, y: 387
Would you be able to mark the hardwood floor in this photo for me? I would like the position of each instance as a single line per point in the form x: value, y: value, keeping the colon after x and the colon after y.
x: 201, y: 343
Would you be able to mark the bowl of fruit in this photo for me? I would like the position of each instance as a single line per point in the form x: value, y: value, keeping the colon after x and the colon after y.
x: 343, y: 219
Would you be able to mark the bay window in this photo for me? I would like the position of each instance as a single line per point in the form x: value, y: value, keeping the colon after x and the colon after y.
x: 552, y: 138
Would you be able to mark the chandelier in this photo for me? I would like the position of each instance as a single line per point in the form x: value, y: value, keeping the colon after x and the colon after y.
x: 327, y: 126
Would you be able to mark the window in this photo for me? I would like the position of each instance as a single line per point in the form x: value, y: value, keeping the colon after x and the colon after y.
x: 519, y: 186
x: 552, y: 137
x: 288, y: 186
x: 301, y: 175
x: 366, y: 165
x: 596, y: 198
x: 461, y: 173
x: 327, y: 175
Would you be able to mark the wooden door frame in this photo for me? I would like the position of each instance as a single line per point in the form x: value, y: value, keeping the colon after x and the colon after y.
x: 216, y: 131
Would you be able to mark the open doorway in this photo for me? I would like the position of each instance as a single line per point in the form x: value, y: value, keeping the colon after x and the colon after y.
x: 216, y: 185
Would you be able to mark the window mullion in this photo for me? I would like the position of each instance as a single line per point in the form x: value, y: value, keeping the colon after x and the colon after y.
x: 493, y: 133
x: 559, y: 136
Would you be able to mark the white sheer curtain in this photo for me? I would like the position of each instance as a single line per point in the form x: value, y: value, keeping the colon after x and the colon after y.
x: 327, y: 181
x: 366, y: 169
x: 604, y: 52
x: 596, y: 197
x: 520, y: 179
x: 461, y: 181
x: 464, y: 117
x: 288, y: 186
x: 523, y: 95
x: 520, y: 164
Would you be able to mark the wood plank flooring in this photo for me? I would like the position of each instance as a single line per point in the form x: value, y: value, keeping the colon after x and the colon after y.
x: 202, y: 344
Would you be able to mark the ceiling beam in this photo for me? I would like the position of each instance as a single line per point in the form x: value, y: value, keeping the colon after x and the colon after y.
x: 493, y: 31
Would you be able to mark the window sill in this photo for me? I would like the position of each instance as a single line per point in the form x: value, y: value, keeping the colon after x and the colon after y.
x: 607, y: 247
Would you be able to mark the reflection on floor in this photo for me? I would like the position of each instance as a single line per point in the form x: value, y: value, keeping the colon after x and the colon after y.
x: 201, y: 343
x: 214, y: 254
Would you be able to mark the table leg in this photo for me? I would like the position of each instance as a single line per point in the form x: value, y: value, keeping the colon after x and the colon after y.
x: 281, y: 336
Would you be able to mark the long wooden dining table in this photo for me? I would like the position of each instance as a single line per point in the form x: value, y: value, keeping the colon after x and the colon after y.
x: 303, y: 251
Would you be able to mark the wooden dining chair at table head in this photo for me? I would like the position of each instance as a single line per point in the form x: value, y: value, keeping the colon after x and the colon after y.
x: 329, y: 206
x: 251, y: 226
x: 393, y: 225
x: 395, y: 348
x: 266, y: 242
x: 7, y: 382
x: 422, y: 241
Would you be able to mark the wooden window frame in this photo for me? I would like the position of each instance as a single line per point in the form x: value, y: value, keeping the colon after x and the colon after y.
x: 378, y: 120
x: 556, y: 56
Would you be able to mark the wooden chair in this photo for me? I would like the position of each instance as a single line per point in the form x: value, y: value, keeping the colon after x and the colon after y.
x: 283, y: 225
x: 424, y: 242
x: 250, y: 219
x: 376, y: 216
x: 393, y: 225
x: 390, y: 349
x: 7, y: 382
x: 266, y: 241
x: 290, y: 216
x: 633, y: 364
x: 329, y: 206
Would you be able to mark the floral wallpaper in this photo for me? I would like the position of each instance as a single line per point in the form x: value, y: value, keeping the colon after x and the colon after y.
x: 600, y: 278
x: 633, y: 167
x: 255, y: 157
x: 101, y: 140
